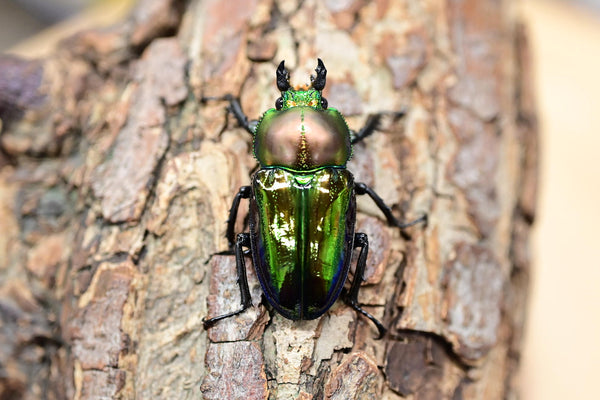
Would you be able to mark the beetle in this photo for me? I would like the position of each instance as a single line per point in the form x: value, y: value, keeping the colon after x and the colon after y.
x: 302, y: 205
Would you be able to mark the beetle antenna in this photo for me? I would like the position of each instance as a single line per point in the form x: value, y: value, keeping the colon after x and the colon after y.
x: 283, y: 77
x: 319, y: 81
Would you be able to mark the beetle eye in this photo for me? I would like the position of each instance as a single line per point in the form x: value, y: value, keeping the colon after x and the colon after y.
x: 324, y: 103
x: 279, y: 103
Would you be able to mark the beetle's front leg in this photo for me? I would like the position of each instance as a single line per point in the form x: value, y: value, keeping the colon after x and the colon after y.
x: 371, y: 125
x: 243, y: 240
x: 361, y: 241
x: 361, y: 189
x: 235, y: 108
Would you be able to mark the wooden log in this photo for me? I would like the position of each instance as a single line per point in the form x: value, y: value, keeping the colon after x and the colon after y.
x: 116, y: 180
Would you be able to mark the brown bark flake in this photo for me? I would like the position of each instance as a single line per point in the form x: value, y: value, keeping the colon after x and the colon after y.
x: 143, y: 140
x: 474, y: 291
x: 235, y: 371
x: 415, y: 366
x: 475, y: 32
x: 357, y: 377
x: 474, y: 168
x: 95, y: 330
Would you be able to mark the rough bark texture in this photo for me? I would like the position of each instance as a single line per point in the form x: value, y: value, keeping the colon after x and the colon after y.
x: 115, y: 182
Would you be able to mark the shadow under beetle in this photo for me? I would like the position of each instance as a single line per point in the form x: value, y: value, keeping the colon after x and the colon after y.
x: 302, y: 205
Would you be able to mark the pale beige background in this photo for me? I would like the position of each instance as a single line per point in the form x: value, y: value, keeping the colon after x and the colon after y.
x: 562, y: 349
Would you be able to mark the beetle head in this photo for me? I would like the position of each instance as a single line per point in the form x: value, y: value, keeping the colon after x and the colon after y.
x: 307, y: 96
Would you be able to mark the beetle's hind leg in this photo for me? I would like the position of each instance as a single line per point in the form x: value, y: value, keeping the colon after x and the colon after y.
x: 361, y: 240
x: 243, y: 240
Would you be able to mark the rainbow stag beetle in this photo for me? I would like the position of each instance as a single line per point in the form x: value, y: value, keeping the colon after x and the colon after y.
x: 302, y: 205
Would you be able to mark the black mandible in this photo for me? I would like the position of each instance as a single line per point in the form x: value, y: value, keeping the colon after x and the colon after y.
x: 283, y: 77
x: 319, y: 81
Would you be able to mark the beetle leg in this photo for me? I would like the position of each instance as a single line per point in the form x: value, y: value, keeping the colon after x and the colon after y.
x: 361, y: 240
x: 244, y: 193
x: 243, y: 240
x: 371, y: 125
x: 368, y: 128
x: 236, y: 109
x: 361, y: 189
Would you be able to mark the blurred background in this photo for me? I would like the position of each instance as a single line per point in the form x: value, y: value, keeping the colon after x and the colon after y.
x: 32, y: 27
x: 562, y: 349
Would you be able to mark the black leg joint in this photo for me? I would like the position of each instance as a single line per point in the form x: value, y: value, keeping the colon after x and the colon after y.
x: 361, y: 240
x: 243, y: 239
x: 245, y: 192
x: 360, y: 188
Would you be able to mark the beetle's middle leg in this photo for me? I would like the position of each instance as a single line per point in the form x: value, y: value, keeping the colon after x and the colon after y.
x: 244, y: 193
x: 361, y: 189
x: 361, y: 241
x: 243, y: 240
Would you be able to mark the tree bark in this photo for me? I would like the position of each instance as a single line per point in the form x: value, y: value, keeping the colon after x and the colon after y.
x: 115, y: 184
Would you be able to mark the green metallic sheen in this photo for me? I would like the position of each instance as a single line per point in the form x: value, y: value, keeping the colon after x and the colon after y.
x: 302, y: 138
x: 301, y: 98
x: 302, y: 226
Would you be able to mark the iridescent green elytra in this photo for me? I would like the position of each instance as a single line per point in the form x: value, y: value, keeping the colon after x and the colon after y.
x: 302, y: 205
x: 302, y: 225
